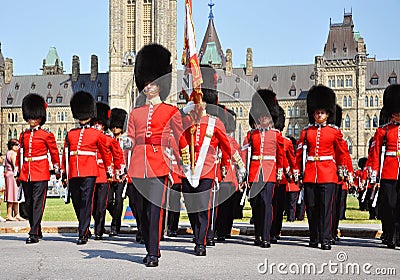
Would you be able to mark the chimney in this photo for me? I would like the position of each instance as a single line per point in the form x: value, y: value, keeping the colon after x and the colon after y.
x: 249, y: 62
x: 94, y: 67
x: 228, y: 65
x: 75, y: 68
x: 8, y: 70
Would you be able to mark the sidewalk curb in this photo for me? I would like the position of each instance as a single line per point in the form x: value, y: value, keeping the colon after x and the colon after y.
x: 186, y: 230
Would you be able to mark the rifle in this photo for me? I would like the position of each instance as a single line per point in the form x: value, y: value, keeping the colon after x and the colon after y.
x: 382, y: 160
x: 303, y: 167
x: 66, y: 152
x: 126, y: 180
x: 169, y: 184
x: 20, y: 194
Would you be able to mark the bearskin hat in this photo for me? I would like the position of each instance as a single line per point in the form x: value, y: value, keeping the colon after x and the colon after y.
x: 34, y: 107
x: 103, y: 114
x: 83, y: 106
x: 391, y: 99
x: 321, y: 97
x: 118, y: 118
x: 280, y: 122
x: 361, y: 162
x: 153, y: 64
x: 264, y: 103
x: 338, y: 118
x: 252, y: 122
x: 209, y: 85
x: 384, y: 117
x: 230, y: 121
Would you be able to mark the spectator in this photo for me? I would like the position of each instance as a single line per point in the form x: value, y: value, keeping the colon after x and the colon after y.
x: 11, y: 191
x: 2, y: 184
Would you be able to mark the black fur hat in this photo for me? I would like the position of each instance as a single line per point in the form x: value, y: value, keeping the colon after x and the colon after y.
x: 361, y: 162
x: 230, y: 121
x: 384, y: 117
x: 103, y: 114
x: 321, y: 97
x: 280, y: 122
x: 391, y: 99
x: 338, y: 113
x: 209, y: 85
x: 118, y: 118
x: 153, y: 63
x: 264, y: 103
x: 83, y: 106
x: 34, y: 107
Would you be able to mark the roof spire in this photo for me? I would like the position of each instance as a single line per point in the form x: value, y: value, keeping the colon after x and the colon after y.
x: 211, y: 4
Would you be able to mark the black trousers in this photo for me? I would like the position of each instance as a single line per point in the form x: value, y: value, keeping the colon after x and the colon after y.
x: 198, y: 203
x: 336, y: 209
x: 136, y: 205
x: 35, y: 200
x: 115, y: 205
x: 389, y: 193
x: 343, y: 205
x: 174, y: 207
x: 300, y: 209
x: 99, y: 207
x: 319, y: 200
x: 278, y: 202
x: 226, y: 206
x: 153, y: 195
x: 291, y: 198
x: 262, y: 210
x: 82, y: 193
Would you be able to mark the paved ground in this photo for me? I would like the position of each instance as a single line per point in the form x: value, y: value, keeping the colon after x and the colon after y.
x: 58, y: 257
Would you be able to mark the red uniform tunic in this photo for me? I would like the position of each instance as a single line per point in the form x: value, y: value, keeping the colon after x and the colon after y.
x: 391, y: 164
x: 324, y: 145
x: 150, y: 138
x: 218, y: 139
x: 37, y: 143
x: 231, y: 171
x: 83, y: 146
x: 267, y: 150
x: 289, y: 162
x: 117, y: 159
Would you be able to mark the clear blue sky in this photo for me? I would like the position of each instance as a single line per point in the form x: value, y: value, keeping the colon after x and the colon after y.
x: 279, y: 32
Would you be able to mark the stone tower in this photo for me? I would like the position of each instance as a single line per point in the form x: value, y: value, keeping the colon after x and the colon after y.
x: 133, y: 24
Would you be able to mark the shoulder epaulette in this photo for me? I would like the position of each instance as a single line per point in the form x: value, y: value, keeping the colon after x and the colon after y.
x: 333, y: 126
x: 274, y: 129
x: 384, y: 125
x: 307, y: 126
x: 46, y: 130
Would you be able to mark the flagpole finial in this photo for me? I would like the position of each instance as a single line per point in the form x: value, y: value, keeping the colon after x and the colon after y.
x: 211, y: 4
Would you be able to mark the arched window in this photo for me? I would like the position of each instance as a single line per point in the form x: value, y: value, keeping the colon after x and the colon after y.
x: 371, y: 102
x: 59, y: 135
x: 367, y: 122
x: 344, y: 101
x: 48, y: 116
x: 58, y: 116
x: 66, y: 116
x: 9, y: 117
x: 16, y: 117
x: 350, y: 145
x: 349, y: 102
x: 9, y: 134
x: 62, y: 116
x: 65, y: 132
x: 241, y: 112
x: 290, y: 130
x: 375, y: 121
x: 240, y: 133
x: 347, y: 122
x: 366, y: 101
x: 15, y: 133
x: 376, y: 101
x: 12, y: 117
x: 289, y: 111
x: 297, y: 111
x: 296, y: 131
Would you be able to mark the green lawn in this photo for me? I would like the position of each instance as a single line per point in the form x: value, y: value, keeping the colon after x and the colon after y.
x: 57, y: 210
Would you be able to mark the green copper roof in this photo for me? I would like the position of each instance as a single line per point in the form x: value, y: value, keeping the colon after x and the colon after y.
x: 52, y: 56
x: 211, y: 55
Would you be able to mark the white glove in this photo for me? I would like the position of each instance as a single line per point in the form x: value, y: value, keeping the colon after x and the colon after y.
x: 279, y: 174
x: 296, y: 175
x: 351, y: 179
x: 241, y: 174
x: 189, y: 107
x: 186, y: 168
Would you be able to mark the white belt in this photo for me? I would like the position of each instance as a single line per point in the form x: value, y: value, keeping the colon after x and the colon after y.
x: 393, y: 154
x: 83, y: 153
x: 263, y: 157
x: 35, y: 158
x: 319, y: 158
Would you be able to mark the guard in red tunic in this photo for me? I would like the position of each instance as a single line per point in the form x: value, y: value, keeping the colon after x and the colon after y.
x: 101, y: 193
x: 80, y: 160
x: 149, y: 128
x: 385, y: 162
x: 318, y: 154
x: 266, y: 162
x: 32, y: 163
x: 292, y: 188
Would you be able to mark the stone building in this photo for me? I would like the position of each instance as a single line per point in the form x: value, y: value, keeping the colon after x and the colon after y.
x: 358, y: 81
x: 55, y: 86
